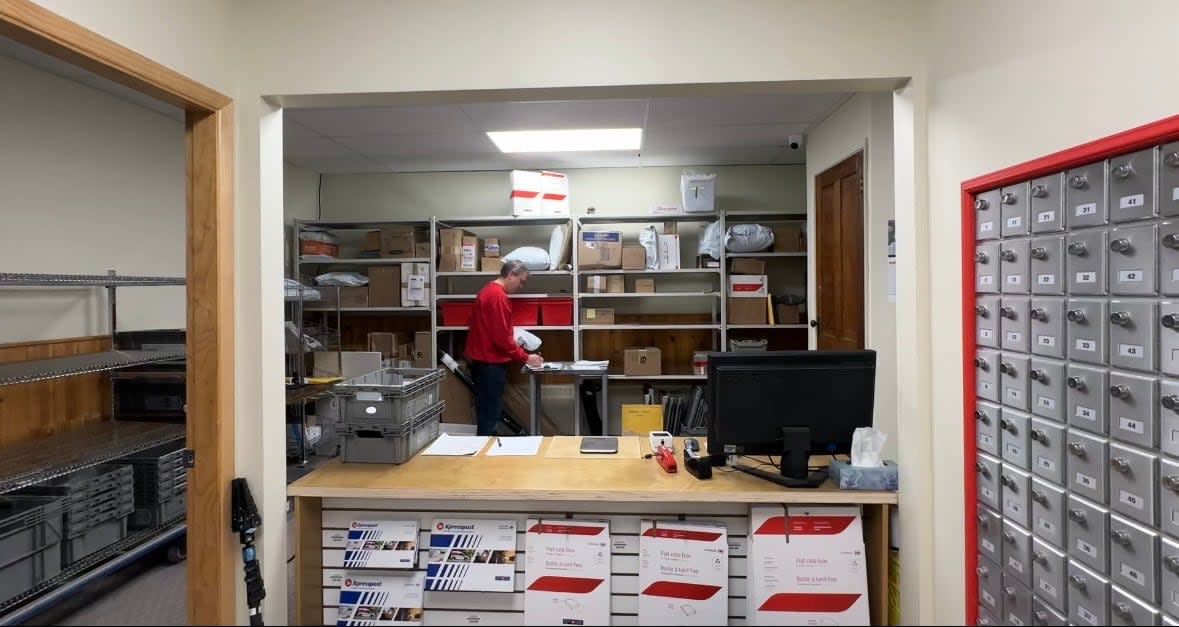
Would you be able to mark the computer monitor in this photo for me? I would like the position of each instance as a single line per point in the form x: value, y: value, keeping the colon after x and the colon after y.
x: 789, y: 403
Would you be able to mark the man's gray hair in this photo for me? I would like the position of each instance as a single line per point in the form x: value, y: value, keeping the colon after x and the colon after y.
x: 513, y: 267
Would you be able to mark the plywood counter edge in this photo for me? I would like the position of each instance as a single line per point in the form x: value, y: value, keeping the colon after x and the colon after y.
x: 817, y: 497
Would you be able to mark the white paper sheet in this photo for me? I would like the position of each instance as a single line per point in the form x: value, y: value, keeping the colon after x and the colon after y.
x: 447, y: 444
x: 523, y: 445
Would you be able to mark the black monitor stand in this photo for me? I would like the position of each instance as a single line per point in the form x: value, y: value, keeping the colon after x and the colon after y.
x: 794, y: 469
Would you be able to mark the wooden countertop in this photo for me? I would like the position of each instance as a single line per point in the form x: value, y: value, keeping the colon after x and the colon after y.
x: 540, y: 478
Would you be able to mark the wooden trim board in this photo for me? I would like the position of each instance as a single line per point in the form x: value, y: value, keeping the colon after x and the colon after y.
x: 33, y: 410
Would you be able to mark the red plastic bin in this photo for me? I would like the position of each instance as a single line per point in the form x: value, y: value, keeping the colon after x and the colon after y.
x: 457, y: 313
x: 556, y: 312
x: 525, y: 312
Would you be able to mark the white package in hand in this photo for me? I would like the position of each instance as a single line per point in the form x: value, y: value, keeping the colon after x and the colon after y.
x: 526, y: 340
x: 866, y: 446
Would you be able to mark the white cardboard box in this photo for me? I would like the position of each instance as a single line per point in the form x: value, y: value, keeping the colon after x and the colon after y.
x: 381, y: 544
x: 472, y: 555
x: 567, y: 572
x: 807, y: 567
x: 683, y: 574
x: 698, y: 192
x: 749, y: 285
x: 525, y: 194
x: 669, y: 252
x: 415, y: 284
x: 554, y: 194
x: 372, y: 599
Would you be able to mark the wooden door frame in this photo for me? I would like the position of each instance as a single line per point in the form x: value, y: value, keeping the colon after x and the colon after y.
x: 208, y: 146
x: 859, y: 154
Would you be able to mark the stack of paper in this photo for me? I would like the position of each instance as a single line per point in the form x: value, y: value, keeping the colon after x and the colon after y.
x: 447, y: 444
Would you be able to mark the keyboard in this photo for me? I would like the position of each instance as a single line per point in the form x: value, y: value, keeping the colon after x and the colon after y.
x: 813, y: 480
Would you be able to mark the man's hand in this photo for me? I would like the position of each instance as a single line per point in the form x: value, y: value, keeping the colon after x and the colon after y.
x: 535, y: 361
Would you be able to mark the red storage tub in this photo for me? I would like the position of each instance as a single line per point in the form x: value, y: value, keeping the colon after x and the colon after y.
x: 525, y: 312
x: 457, y: 313
x: 556, y: 312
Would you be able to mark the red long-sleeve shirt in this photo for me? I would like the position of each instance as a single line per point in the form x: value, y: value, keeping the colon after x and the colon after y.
x: 491, y: 338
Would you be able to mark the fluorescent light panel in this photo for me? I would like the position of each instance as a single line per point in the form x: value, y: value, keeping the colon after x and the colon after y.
x: 568, y: 140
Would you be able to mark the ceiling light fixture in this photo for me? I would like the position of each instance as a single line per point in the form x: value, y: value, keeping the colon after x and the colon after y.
x: 568, y: 140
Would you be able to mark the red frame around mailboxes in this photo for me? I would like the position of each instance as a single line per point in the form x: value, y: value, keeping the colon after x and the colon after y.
x: 1159, y: 132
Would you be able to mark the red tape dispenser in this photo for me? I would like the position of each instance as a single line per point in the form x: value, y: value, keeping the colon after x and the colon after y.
x: 663, y: 450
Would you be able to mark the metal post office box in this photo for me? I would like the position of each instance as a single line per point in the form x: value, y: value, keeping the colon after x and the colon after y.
x: 1048, y: 460
x: 987, y: 481
x: 1014, y: 266
x: 990, y: 585
x: 1086, y: 323
x: 1132, y: 409
x: 1048, y: 509
x: 1017, y: 601
x: 986, y: 427
x: 985, y: 617
x: 1044, y: 206
x: 1168, y: 254
x: 986, y: 268
x: 1047, y: 326
x: 1047, y: 264
x: 1088, y: 596
x: 1132, y: 326
x: 1043, y: 614
x: 986, y: 373
x: 1013, y: 380
x: 1132, y: 260
x: 1168, y: 334
x: 1013, y: 323
x: 1133, y: 557
x: 989, y: 530
x: 1015, y: 438
x: 1017, y: 552
x: 1131, y: 186
x: 1049, y: 570
x: 1013, y: 211
x: 1085, y: 262
x: 1124, y: 609
x: 1047, y: 388
x: 1086, y: 391
x: 1168, y: 177
x: 1132, y: 483
x: 986, y: 215
x: 1016, y: 488
x: 1169, y: 497
x: 1084, y: 196
x: 1088, y: 456
x: 1169, y: 417
x: 986, y: 321
x: 1088, y: 533
x: 1169, y: 576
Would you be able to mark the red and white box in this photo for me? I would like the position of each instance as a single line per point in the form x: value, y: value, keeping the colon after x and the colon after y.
x: 541, y: 193
x: 807, y: 567
x: 749, y: 285
x: 567, y: 572
x: 683, y: 574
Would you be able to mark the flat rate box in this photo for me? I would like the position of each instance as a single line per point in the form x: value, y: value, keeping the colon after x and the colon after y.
x: 472, y: 555
x: 567, y: 572
x: 370, y: 599
x: 381, y: 544
x: 683, y: 574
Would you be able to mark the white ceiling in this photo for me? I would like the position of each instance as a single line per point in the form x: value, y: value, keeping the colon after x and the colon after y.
x: 713, y: 130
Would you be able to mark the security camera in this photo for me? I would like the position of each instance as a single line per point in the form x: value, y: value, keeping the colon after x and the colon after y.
x: 795, y: 141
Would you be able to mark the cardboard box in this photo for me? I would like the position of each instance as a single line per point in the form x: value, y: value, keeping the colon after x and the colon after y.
x: 421, y: 250
x: 748, y: 285
x: 644, y: 285
x: 600, y: 249
x: 384, y: 286
x: 354, y: 297
x: 423, y: 350
x: 567, y: 572
x: 469, y: 255
x: 415, y: 284
x: 597, y: 315
x: 669, y: 252
x: 747, y: 310
x: 642, y: 361
x: 641, y: 419
x: 491, y: 247
x: 525, y: 193
x: 554, y: 194
x: 366, y: 597
x: 605, y: 284
x: 372, y: 241
x: 698, y: 192
x: 348, y: 364
x: 460, y: 401
x: 490, y: 264
x: 450, y: 249
x: 789, y: 238
x: 398, y: 242
x: 789, y: 314
x: 683, y: 573
x: 704, y: 261
x: 634, y: 258
x: 470, y: 555
x: 807, y: 566
x: 747, y: 265
x: 379, y: 544
x: 395, y: 345
x: 315, y: 247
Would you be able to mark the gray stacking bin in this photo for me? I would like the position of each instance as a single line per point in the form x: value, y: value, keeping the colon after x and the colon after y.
x: 30, y: 542
x: 383, y: 444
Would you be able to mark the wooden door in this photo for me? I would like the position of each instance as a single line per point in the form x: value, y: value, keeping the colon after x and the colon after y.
x: 839, y: 238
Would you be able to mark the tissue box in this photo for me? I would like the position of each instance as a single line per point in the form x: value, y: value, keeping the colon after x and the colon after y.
x: 849, y: 477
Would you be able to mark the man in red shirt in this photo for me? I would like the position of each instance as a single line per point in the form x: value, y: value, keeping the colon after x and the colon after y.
x: 491, y: 343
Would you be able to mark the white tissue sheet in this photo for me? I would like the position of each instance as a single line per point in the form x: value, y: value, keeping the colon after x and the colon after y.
x: 866, y: 446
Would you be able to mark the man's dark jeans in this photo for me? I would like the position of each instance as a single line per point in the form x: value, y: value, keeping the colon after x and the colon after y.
x: 489, y: 394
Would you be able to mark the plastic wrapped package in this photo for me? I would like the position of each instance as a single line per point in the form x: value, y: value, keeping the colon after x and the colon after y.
x: 749, y: 238
x: 534, y: 258
x: 649, y: 240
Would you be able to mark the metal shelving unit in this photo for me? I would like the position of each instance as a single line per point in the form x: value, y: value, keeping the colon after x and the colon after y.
x: 767, y: 326
x: 526, y: 328
x: 84, y: 280
x: 359, y: 261
x: 58, y: 367
x: 650, y: 325
x: 373, y: 310
x: 651, y: 295
x: 764, y: 254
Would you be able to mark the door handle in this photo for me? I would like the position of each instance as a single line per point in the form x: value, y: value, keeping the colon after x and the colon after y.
x: 815, y: 323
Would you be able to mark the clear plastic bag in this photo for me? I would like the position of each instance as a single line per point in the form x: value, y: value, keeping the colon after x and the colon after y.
x: 710, y: 241
x: 749, y: 238
x: 342, y: 279
x: 649, y: 240
x: 534, y: 258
